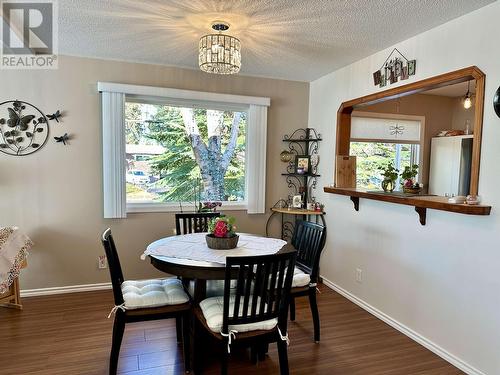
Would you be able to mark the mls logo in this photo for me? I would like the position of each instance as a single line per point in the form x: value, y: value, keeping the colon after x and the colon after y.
x: 29, y: 34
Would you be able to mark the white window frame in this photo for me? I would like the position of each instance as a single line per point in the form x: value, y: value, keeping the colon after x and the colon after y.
x: 113, y: 122
x: 416, y: 153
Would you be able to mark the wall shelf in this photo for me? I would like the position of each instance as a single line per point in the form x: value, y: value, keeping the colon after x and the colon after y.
x: 420, y: 202
x: 302, y: 139
x: 301, y: 142
x: 301, y: 175
x: 296, y: 211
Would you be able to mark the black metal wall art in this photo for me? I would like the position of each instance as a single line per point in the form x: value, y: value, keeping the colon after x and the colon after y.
x: 496, y: 102
x: 396, y: 67
x: 63, y: 138
x: 24, y: 129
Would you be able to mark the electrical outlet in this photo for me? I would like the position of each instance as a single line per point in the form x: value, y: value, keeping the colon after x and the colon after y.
x: 359, y: 275
x: 102, y: 262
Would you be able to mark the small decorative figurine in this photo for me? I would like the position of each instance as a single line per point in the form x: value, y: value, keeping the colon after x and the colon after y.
x: 63, y: 138
x: 55, y: 116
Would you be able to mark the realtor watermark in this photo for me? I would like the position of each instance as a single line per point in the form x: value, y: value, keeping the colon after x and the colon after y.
x: 29, y: 34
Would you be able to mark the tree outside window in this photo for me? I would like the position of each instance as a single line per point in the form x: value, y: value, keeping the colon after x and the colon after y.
x: 373, y: 157
x: 184, y: 153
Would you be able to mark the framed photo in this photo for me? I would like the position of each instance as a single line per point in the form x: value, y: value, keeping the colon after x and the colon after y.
x: 297, y: 201
x: 383, y: 80
x: 393, y: 78
x: 404, y: 73
x: 412, y: 67
x: 302, y: 164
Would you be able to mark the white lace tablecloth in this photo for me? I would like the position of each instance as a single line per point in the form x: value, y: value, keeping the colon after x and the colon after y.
x: 194, y: 247
x: 14, y: 247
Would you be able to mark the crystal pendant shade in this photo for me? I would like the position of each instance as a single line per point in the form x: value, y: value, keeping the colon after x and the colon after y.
x: 219, y: 54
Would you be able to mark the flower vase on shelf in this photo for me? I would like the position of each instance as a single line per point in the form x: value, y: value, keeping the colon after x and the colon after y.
x: 410, y: 184
x: 390, y: 176
x: 388, y: 185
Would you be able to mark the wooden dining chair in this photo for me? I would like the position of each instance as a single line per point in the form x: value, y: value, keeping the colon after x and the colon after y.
x: 193, y: 222
x: 196, y: 222
x: 138, y: 301
x: 254, y: 313
x: 309, y: 240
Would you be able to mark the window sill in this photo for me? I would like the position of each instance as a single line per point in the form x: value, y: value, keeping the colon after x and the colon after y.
x: 174, y: 207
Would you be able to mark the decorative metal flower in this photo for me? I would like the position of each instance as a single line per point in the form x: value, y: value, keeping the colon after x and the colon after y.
x: 397, y: 130
x: 26, y: 129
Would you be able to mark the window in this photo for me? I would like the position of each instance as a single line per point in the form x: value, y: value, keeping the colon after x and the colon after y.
x: 163, y: 147
x: 372, y: 157
x: 378, y: 141
x: 171, y: 159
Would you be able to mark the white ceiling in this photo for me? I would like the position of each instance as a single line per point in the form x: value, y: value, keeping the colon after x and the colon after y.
x: 290, y: 39
x: 453, y: 91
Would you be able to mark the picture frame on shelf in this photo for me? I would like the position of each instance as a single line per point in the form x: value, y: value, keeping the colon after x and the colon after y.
x: 302, y: 164
x: 297, y: 201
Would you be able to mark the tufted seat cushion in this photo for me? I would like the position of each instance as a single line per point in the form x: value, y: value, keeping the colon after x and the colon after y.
x: 300, y: 278
x: 153, y: 293
x: 212, y: 309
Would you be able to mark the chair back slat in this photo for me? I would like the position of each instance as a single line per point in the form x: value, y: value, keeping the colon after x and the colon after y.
x: 256, y: 297
x: 262, y: 291
x: 240, y: 287
x: 193, y: 222
x: 280, y: 275
x: 309, y: 241
x: 272, y: 286
x: 248, y: 289
x: 263, y: 284
x: 115, y: 269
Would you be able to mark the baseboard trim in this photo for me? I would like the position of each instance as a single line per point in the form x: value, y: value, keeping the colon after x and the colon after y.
x: 64, y: 289
x: 415, y: 336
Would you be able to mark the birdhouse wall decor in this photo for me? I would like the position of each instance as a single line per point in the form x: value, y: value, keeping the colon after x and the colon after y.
x: 396, y: 67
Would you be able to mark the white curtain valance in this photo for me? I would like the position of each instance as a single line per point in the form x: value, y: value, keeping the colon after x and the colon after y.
x: 385, y: 129
x: 178, y: 94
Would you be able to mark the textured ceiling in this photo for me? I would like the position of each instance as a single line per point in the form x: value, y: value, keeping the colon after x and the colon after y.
x: 290, y: 39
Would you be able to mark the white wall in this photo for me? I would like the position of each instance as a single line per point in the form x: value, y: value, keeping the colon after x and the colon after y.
x: 441, y: 280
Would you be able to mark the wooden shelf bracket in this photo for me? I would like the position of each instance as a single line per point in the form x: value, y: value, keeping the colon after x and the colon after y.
x: 355, y: 201
x: 422, y: 213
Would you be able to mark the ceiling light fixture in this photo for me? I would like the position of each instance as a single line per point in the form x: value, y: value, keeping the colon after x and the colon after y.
x: 467, y: 99
x: 219, y: 53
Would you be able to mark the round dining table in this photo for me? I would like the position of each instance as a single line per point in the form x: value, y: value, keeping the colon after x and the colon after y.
x: 198, y: 270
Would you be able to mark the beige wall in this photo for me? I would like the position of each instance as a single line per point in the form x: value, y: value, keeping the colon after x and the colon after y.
x: 437, y: 110
x: 55, y: 195
x: 460, y: 115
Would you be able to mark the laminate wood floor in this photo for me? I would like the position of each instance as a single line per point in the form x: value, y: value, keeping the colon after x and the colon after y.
x: 69, y: 334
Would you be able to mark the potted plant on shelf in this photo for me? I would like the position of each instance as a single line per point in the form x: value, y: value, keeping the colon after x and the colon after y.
x: 221, y: 233
x: 209, y: 206
x: 410, y: 184
x: 390, y: 176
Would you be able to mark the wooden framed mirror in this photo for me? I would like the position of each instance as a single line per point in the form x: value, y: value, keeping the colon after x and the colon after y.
x: 467, y: 80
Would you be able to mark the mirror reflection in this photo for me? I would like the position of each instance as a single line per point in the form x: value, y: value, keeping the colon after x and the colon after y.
x: 427, y: 137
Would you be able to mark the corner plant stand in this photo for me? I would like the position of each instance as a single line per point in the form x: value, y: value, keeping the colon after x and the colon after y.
x: 302, y: 142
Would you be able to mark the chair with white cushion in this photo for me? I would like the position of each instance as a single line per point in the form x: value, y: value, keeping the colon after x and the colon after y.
x: 137, y: 301
x: 309, y: 240
x: 254, y: 312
